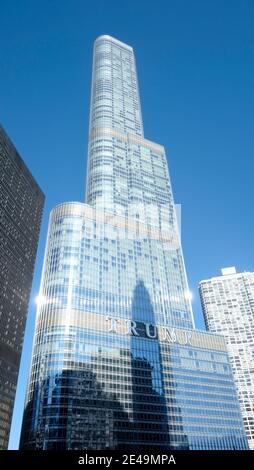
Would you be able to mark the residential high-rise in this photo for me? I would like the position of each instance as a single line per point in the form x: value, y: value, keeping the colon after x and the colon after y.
x: 228, y: 306
x: 117, y: 363
x: 21, y: 205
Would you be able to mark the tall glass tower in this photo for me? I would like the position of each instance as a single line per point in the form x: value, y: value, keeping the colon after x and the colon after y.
x: 117, y: 363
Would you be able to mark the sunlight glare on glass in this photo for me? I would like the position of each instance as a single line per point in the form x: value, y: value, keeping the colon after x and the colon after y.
x: 39, y: 300
x: 189, y: 295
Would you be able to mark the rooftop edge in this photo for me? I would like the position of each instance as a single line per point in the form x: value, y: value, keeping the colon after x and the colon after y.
x: 114, y: 40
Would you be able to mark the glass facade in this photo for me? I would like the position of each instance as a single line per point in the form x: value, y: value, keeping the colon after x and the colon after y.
x: 117, y: 362
x: 228, y: 302
x: 21, y: 205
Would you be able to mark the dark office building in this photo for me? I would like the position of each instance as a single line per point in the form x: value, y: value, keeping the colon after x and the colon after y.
x: 21, y: 206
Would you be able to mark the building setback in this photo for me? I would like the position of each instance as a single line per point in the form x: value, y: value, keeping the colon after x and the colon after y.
x: 117, y: 363
x: 228, y: 306
x: 21, y: 206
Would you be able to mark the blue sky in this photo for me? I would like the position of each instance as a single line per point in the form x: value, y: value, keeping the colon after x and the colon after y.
x: 195, y: 63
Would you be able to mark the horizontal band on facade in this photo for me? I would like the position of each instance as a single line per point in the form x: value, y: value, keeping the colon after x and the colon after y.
x: 132, y: 138
x: 128, y: 224
x: 124, y: 326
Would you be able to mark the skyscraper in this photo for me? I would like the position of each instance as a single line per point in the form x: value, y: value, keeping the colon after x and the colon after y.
x: 21, y: 205
x: 228, y: 305
x: 117, y: 363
